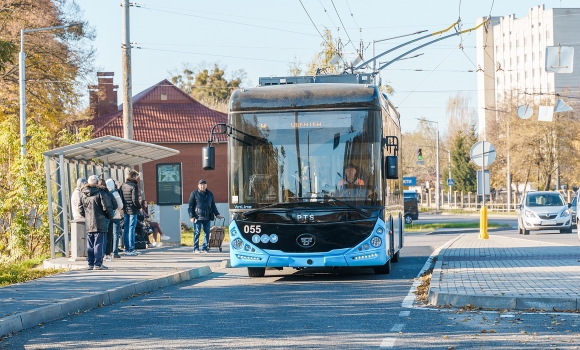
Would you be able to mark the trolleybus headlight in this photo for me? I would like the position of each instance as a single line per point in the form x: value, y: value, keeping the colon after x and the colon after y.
x: 256, y: 239
x: 265, y: 238
x: 237, y: 244
x: 273, y: 238
x: 366, y: 246
x: 233, y: 232
x: 376, y: 241
x: 247, y: 247
x: 380, y: 230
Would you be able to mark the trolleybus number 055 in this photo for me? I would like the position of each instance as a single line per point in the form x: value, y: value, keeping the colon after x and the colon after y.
x: 252, y: 229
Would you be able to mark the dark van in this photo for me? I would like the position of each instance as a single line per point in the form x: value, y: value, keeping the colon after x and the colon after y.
x: 411, y: 206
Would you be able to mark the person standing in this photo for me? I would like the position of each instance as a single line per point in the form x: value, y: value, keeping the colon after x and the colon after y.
x: 96, y: 207
x: 201, y: 210
x: 76, y: 197
x: 115, y: 225
x: 131, y: 207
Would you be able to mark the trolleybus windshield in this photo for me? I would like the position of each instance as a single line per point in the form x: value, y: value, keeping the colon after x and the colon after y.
x: 305, y: 156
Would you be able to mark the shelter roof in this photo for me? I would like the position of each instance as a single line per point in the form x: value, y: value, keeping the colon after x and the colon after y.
x: 113, y: 151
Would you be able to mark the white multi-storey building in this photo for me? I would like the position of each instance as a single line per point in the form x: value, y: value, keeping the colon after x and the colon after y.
x: 511, y: 58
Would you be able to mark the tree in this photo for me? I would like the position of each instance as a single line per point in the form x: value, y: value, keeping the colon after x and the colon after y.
x: 462, y: 170
x: 57, y: 61
x: 57, y: 64
x: 209, y: 86
x: 539, y: 151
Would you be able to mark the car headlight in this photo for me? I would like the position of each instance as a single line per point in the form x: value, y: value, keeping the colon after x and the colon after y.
x: 376, y: 242
x: 565, y: 213
x: 529, y: 214
x: 237, y: 244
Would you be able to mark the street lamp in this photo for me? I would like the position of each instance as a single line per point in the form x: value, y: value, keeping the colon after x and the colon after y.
x: 22, y: 80
x: 437, y: 188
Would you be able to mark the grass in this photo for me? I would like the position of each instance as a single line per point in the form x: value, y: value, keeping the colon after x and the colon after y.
x: 430, y: 227
x: 187, y: 235
x: 25, y: 271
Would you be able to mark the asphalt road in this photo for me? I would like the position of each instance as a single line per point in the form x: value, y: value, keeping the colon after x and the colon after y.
x: 330, y: 309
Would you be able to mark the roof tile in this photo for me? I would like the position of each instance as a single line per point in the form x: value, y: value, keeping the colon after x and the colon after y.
x: 163, y: 113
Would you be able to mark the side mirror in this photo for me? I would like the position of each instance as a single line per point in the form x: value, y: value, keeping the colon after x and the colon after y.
x: 208, y: 158
x: 392, y: 167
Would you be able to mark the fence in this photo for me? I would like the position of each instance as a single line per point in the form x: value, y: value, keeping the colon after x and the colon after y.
x: 472, y: 201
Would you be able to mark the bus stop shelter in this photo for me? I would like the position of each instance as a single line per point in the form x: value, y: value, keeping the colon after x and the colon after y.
x: 107, y: 157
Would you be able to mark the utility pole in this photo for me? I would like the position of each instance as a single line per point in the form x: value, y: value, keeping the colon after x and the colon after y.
x: 438, y: 194
x: 127, y: 93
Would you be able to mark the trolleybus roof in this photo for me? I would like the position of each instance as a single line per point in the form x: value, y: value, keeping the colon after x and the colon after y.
x: 305, y: 96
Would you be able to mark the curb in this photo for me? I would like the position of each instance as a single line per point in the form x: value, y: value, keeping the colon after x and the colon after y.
x: 502, y: 302
x: 32, y: 318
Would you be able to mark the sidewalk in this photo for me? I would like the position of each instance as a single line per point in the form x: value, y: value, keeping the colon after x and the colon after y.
x: 510, y: 273
x: 25, y: 305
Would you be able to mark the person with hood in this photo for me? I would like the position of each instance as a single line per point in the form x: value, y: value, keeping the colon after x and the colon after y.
x: 131, y: 207
x: 108, y: 245
x: 75, y: 198
x: 201, y: 211
x: 116, y: 222
x: 96, y: 207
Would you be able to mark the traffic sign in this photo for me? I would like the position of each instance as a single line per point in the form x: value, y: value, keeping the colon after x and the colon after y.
x: 410, y: 181
x: 450, y: 182
x: 420, y: 162
x: 482, y: 153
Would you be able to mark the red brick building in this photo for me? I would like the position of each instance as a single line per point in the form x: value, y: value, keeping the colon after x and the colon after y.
x: 165, y: 115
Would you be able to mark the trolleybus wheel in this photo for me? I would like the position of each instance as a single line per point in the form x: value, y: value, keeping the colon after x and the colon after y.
x: 256, y: 271
x: 383, y: 269
x: 408, y: 219
x: 395, y: 257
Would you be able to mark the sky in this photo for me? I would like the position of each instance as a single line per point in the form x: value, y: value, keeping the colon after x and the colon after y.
x: 265, y: 37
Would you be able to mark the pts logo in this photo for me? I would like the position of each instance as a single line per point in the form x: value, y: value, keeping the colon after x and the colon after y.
x: 304, y: 217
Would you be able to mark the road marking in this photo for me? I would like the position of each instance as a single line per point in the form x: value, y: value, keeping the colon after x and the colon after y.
x: 404, y: 313
x: 388, y: 342
x: 397, y: 327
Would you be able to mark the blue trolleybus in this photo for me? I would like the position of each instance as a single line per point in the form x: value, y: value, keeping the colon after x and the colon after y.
x: 314, y: 174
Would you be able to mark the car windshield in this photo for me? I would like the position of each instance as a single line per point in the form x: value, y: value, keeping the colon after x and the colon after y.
x: 544, y: 200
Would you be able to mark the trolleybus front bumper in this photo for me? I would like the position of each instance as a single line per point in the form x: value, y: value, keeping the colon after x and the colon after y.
x: 334, y: 258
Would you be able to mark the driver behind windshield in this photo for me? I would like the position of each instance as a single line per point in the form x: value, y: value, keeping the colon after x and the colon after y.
x: 351, y: 177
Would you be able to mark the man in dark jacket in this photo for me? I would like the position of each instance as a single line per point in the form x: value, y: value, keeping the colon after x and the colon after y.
x: 131, y: 207
x: 201, y: 209
x: 95, y: 206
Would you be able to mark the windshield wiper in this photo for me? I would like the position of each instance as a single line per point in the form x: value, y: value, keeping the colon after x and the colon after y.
x: 360, y: 211
x: 250, y: 212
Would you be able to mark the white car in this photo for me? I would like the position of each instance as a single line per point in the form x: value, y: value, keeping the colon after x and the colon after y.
x: 544, y: 210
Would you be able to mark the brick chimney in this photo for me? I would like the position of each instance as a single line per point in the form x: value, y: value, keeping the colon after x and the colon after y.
x: 103, y: 97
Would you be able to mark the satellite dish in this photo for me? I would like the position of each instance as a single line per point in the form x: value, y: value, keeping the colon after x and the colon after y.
x: 561, y: 106
x: 525, y: 112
